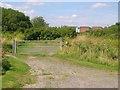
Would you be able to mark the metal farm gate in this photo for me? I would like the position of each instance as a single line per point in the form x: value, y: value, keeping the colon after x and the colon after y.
x: 37, y: 46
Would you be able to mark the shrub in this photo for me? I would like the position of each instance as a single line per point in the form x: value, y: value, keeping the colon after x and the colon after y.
x: 6, y: 47
x: 49, y: 33
x: 5, y: 66
x: 110, y: 32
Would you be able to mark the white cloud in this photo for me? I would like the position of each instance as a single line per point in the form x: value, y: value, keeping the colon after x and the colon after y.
x: 64, y: 20
x: 74, y: 16
x: 30, y: 13
x: 5, y: 5
x: 99, y: 5
x: 81, y: 20
x: 68, y: 17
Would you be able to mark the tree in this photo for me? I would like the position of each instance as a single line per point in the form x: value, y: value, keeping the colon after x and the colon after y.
x: 38, y: 22
x: 13, y: 20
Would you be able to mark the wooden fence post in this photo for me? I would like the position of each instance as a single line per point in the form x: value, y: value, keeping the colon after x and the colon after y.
x: 14, y: 46
x: 61, y: 43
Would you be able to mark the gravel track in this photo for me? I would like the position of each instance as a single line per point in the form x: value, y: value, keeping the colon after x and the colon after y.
x: 52, y: 73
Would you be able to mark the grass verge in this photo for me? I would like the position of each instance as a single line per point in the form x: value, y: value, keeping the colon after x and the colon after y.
x: 77, y: 61
x: 17, y: 76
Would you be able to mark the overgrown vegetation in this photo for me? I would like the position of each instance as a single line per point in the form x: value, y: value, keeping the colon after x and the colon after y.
x: 97, y: 47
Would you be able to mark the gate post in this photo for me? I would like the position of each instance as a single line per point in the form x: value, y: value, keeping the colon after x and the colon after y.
x: 61, y: 43
x: 14, y: 46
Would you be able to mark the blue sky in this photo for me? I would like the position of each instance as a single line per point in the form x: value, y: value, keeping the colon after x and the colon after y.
x: 69, y: 13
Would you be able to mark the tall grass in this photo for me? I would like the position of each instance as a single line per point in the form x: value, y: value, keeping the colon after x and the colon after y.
x: 94, y: 47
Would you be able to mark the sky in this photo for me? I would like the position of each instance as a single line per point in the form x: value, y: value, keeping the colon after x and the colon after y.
x: 69, y: 13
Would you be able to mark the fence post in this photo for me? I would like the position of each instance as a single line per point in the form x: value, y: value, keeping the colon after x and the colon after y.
x: 61, y: 43
x: 15, y: 46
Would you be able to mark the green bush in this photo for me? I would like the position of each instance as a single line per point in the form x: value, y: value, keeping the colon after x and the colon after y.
x: 49, y: 33
x: 6, y: 47
x: 110, y: 32
x: 5, y: 66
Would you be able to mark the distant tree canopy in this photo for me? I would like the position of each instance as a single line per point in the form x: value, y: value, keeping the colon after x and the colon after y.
x: 38, y: 22
x: 49, y: 33
x: 13, y: 20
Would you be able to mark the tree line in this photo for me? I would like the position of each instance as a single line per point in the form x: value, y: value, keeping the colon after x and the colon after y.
x: 35, y: 29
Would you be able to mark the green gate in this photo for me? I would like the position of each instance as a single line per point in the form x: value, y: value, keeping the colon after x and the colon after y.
x: 37, y: 46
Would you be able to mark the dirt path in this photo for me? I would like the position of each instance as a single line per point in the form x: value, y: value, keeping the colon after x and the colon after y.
x: 52, y: 73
